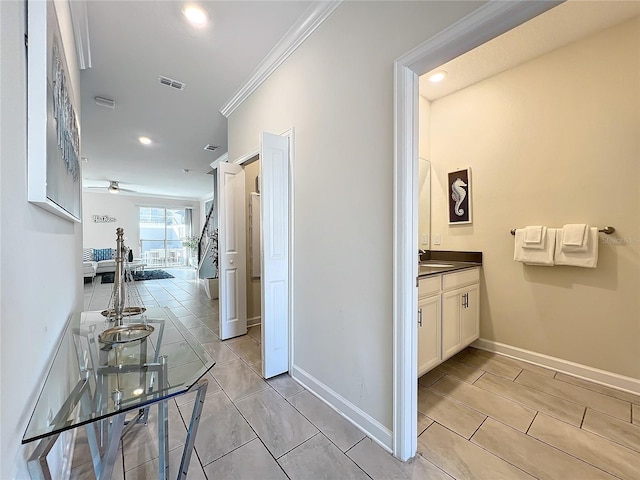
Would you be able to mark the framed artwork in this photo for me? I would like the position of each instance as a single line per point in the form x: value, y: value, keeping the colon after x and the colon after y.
x: 459, y: 183
x: 53, y: 132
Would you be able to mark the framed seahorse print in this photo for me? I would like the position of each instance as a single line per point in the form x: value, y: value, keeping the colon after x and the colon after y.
x: 459, y: 196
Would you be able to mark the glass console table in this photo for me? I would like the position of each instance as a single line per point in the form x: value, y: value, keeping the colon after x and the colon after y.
x: 106, y: 378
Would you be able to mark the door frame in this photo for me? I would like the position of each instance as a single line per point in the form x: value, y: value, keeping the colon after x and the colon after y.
x: 487, y: 22
x: 290, y: 135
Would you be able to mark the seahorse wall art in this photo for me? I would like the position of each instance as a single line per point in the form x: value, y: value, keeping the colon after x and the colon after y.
x: 458, y: 195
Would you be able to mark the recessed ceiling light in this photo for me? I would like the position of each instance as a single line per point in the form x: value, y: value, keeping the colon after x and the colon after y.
x: 196, y: 15
x: 437, y: 76
x: 144, y: 140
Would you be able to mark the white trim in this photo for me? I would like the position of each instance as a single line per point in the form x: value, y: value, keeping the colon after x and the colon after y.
x: 313, y: 17
x: 405, y: 265
x: 602, y: 377
x: 246, y: 157
x: 80, y: 22
x: 291, y: 134
x: 487, y: 22
x: 350, y: 412
x: 221, y: 159
x: 253, y: 321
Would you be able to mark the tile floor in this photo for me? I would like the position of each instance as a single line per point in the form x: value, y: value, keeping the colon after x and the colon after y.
x: 480, y: 416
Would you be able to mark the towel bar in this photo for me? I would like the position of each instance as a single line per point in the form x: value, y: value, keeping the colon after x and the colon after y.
x: 607, y: 230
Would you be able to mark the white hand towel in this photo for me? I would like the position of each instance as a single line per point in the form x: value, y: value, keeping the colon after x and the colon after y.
x: 574, y: 235
x: 533, y: 234
x: 535, y: 238
x: 586, y: 259
x: 533, y: 256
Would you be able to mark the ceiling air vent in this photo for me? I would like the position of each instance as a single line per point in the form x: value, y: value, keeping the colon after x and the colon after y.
x: 169, y: 82
x: 211, y: 148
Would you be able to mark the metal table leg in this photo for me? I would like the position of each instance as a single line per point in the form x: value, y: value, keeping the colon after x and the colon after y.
x: 201, y: 388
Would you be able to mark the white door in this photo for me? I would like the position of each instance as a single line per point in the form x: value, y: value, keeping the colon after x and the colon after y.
x: 232, y: 251
x: 274, y: 173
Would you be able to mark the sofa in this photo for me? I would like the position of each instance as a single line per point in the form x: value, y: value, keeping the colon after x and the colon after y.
x: 97, y: 260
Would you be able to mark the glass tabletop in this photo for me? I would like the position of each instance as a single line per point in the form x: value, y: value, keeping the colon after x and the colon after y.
x: 101, y: 370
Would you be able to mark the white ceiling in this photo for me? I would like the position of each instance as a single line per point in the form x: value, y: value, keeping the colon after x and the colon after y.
x: 553, y: 29
x: 131, y: 43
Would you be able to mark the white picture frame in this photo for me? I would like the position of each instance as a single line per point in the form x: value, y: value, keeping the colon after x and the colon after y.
x: 53, y: 131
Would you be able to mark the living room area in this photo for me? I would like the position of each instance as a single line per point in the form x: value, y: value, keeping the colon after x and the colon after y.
x: 159, y: 232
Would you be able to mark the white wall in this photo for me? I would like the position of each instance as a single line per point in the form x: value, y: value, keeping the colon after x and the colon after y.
x: 551, y: 142
x: 124, y: 208
x: 40, y: 255
x: 337, y: 91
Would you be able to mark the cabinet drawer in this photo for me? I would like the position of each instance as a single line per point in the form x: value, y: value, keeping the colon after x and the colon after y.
x: 429, y: 286
x: 460, y: 279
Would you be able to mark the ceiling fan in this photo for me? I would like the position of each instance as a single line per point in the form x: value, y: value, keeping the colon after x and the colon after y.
x: 113, y: 187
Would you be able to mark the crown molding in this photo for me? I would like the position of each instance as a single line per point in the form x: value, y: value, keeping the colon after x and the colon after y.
x: 315, y: 15
x: 80, y: 23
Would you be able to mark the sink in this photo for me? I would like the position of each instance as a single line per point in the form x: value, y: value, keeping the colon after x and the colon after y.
x: 436, y: 265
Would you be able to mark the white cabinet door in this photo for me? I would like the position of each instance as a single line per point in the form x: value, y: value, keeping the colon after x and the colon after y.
x: 470, y: 315
x: 451, y: 335
x: 460, y: 319
x: 428, y: 334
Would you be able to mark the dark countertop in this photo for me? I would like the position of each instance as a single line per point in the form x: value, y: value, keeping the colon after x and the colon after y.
x: 425, y: 270
x: 436, y: 262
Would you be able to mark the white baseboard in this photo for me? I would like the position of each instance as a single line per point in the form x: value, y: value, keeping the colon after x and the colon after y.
x: 253, y: 321
x: 360, y: 419
x: 602, y: 377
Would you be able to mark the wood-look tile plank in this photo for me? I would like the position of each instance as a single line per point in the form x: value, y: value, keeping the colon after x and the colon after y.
x: 252, y: 460
x: 381, y: 465
x: 430, y: 378
x: 589, y: 398
x: 280, y: 426
x: 596, y: 387
x: 600, y: 452
x: 488, y: 364
x: 635, y: 414
x: 462, y: 420
x: 616, y: 430
x: 513, y: 361
x: 533, y: 456
x: 341, y: 432
x: 464, y: 460
x: 507, y: 411
x: 222, y: 429
x: 565, y: 410
x: 423, y: 422
x: 459, y: 370
x: 318, y: 457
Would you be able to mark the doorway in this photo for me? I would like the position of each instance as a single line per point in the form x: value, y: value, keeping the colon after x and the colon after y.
x: 270, y: 254
x: 482, y: 25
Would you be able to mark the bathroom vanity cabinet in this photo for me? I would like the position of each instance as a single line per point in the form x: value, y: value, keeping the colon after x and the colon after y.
x: 448, y: 315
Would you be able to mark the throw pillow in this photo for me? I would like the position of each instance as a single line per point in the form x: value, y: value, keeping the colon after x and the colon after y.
x: 87, y: 254
x: 102, y: 254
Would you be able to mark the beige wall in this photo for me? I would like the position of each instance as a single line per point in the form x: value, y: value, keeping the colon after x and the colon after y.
x: 336, y: 90
x: 551, y: 142
x: 251, y: 171
x: 424, y: 173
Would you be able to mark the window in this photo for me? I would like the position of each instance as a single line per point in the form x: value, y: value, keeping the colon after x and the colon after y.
x: 162, y: 231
